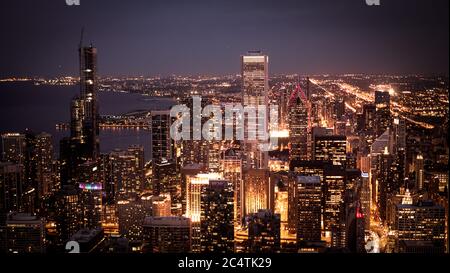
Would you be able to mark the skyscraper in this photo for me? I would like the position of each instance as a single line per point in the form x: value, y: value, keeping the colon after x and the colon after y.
x: 231, y: 166
x: 331, y: 148
x: 162, y: 147
x: 88, y: 96
x: 258, y: 191
x: 25, y: 233
x: 298, y: 125
x: 309, y: 208
x: 13, y: 147
x: 264, y: 232
x: 167, y: 234
x: 383, y: 112
x: 217, y: 217
x: 255, y: 87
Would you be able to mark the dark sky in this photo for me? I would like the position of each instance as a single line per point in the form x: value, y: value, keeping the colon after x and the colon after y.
x: 145, y: 37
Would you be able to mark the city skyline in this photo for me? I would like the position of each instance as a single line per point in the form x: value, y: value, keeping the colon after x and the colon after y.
x: 158, y: 38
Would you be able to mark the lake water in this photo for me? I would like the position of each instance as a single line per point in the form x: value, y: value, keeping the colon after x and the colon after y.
x: 39, y: 108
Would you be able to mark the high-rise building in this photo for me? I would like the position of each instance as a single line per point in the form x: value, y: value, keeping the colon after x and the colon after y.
x: 127, y: 170
x: 309, y: 208
x: 167, y: 234
x: 88, y: 96
x: 231, y: 166
x: 162, y: 144
x: 255, y: 87
x: 421, y: 222
x: 217, y: 217
x: 11, y: 180
x: 298, y: 126
x: 161, y: 205
x: 25, y: 233
x: 131, y: 212
x: 419, y: 171
x: 45, y: 175
x: 69, y: 216
x: 383, y: 112
x: 334, y: 187
x: 264, y: 232
x: 90, y: 196
x: 167, y: 180
x: 258, y: 191
x: 13, y: 147
x: 331, y: 148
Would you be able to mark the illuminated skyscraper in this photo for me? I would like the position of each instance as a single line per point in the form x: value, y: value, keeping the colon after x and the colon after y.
x: 88, y: 96
x: 419, y: 224
x: 167, y: 234
x: 45, y: 174
x: 25, y: 233
x: 217, y: 217
x: 298, y: 126
x: 334, y: 187
x: 162, y: 144
x: 258, y: 191
x: 331, y: 148
x: 13, y: 147
x: 264, y: 232
x: 90, y: 196
x: 11, y: 180
x: 127, y: 170
x: 231, y: 166
x: 309, y: 208
x: 419, y: 171
x: 255, y: 87
x: 383, y: 112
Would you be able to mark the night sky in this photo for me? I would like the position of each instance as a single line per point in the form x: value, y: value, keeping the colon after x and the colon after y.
x: 190, y: 37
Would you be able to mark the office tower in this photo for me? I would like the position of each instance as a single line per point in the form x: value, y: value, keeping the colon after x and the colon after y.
x: 231, y: 166
x: 161, y: 205
x: 11, y: 180
x: 217, y: 217
x: 45, y: 174
x: 162, y: 144
x: 70, y: 157
x: 333, y: 190
x: 368, y: 115
x: 339, y: 108
x: 258, y: 191
x: 281, y: 205
x: 331, y: 148
x: 90, y: 196
x: 167, y: 180
x: 69, y: 217
x: 13, y: 147
x: 264, y: 232
x: 419, y: 171
x: 76, y: 119
x: 127, y: 170
x: 194, y: 187
x: 131, y: 213
x: 420, y: 226
x: 386, y: 183
x: 298, y: 125
x: 90, y: 240
x: 88, y: 96
x: 308, y: 209
x: 365, y: 199
x: 167, y: 234
x: 255, y: 87
x: 383, y: 112
x: 25, y: 233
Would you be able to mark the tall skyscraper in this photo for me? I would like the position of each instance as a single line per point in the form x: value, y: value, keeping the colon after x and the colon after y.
x: 298, y: 125
x: 422, y: 223
x: 25, y: 233
x: 11, y: 180
x: 231, y: 166
x: 258, y: 191
x: 217, y: 217
x: 167, y: 234
x: 264, y: 232
x: 334, y: 187
x: 309, y: 208
x: 13, y: 147
x: 383, y: 112
x: 255, y: 87
x: 162, y: 144
x: 331, y: 148
x: 88, y: 96
x: 419, y: 171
